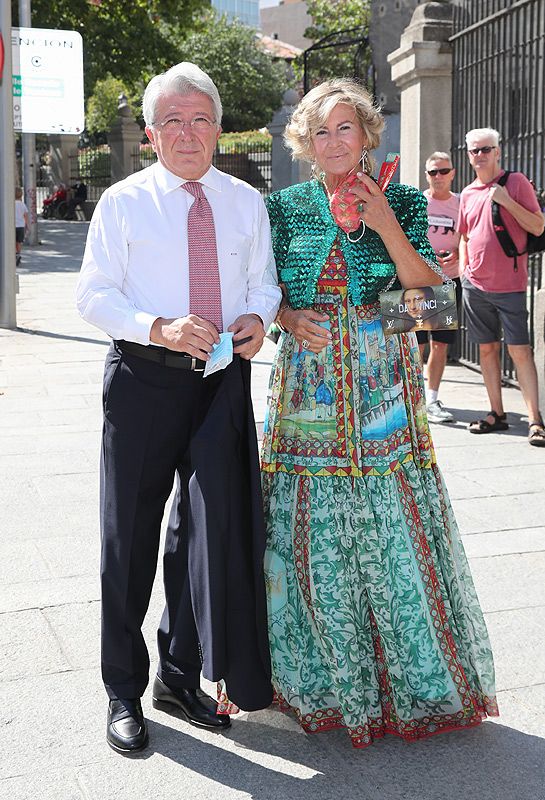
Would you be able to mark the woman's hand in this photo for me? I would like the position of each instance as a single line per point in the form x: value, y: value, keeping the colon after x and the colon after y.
x: 411, y: 268
x: 303, y: 325
x: 373, y: 206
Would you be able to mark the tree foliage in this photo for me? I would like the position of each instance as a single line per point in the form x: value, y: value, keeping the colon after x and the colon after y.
x: 250, y: 83
x: 328, y: 17
x: 101, y: 111
x: 128, y: 40
x: 126, y: 43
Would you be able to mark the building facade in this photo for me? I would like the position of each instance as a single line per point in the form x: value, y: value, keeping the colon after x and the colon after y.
x: 247, y: 11
x: 287, y: 21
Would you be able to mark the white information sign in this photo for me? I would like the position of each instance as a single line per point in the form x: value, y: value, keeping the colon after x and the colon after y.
x: 47, y: 81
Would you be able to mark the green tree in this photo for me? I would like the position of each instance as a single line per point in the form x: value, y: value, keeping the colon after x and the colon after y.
x: 101, y: 111
x: 250, y: 83
x: 128, y: 40
x: 328, y: 17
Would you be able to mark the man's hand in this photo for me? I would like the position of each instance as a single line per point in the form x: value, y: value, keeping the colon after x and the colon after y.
x: 531, y: 221
x: 191, y: 334
x: 499, y: 195
x: 249, y: 331
x: 448, y: 261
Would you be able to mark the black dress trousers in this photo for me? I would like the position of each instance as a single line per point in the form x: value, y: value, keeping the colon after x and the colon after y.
x: 160, y: 422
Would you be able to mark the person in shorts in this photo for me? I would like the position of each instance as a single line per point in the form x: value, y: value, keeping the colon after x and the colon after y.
x: 21, y: 223
x: 494, y: 284
x: 443, y: 207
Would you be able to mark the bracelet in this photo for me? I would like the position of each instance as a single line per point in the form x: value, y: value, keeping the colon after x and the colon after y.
x: 278, y: 319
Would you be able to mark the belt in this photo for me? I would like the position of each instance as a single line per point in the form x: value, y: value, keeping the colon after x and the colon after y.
x: 167, y: 358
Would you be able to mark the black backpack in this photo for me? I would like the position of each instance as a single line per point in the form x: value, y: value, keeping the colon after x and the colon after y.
x: 534, y: 244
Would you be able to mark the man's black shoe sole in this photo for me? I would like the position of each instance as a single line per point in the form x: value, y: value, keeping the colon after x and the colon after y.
x: 128, y: 751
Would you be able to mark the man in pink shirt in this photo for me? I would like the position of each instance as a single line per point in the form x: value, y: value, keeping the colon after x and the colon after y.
x: 443, y: 207
x: 495, y: 285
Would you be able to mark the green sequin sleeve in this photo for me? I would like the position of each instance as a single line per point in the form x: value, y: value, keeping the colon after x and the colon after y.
x: 280, y: 240
x: 413, y: 218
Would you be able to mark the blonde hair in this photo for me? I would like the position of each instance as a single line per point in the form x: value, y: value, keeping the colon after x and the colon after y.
x: 481, y: 133
x: 315, y: 108
x: 438, y: 156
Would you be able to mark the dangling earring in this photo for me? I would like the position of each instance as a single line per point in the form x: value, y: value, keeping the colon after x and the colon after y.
x: 317, y: 175
x: 364, y: 159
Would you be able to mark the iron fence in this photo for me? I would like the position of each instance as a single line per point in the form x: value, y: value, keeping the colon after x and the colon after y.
x: 345, y: 52
x: 93, y: 166
x: 143, y: 156
x: 499, y: 81
x: 251, y: 163
x: 248, y: 161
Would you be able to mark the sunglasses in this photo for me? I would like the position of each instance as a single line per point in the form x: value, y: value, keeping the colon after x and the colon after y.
x: 442, y: 171
x: 476, y: 150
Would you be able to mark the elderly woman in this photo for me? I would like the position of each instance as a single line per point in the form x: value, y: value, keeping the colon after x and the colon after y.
x: 373, y: 618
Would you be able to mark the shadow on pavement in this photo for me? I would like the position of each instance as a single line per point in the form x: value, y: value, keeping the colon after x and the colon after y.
x: 491, y: 761
x: 63, y: 336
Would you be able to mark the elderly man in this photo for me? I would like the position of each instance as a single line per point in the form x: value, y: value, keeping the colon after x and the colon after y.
x: 176, y: 255
x: 494, y: 284
x: 443, y: 207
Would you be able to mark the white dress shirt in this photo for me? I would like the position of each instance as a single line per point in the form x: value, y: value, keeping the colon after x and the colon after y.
x: 135, y: 265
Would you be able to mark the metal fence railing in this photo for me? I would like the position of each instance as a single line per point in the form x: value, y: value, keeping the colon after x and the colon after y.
x: 251, y: 162
x: 143, y: 156
x: 93, y: 166
x: 498, y: 64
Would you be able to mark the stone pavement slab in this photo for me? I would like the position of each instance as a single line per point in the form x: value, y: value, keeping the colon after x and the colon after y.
x: 52, y: 705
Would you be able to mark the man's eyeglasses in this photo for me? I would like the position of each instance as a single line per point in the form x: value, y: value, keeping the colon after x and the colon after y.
x: 174, y: 126
x: 476, y: 150
x: 442, y: 171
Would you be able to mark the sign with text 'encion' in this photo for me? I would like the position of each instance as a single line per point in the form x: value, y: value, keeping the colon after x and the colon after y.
x: 47, y: 81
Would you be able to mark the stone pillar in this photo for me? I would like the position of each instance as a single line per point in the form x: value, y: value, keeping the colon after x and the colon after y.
x: 285, y: 171
x: 422, y: 69
x: 61, y: 147
x: 124, y: 138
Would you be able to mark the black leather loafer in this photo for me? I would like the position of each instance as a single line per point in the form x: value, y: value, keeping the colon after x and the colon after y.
x: 196, y: 706
x: 126, y: 730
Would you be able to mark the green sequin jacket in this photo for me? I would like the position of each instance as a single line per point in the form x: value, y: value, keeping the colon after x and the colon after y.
x: 303, y: 233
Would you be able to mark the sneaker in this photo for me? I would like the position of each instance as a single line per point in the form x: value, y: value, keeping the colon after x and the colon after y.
x: 438, y: 413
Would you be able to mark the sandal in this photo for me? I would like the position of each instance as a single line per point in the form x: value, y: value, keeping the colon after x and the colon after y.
x: 536, y: 433
x: 483, y: 426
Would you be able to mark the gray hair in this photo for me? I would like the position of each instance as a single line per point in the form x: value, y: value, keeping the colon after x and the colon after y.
x: 480, y: 133
x: 184, y: 78
x: 438, y: 156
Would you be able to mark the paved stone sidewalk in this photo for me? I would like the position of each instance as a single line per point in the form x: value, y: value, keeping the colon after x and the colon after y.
x: 52, y: 705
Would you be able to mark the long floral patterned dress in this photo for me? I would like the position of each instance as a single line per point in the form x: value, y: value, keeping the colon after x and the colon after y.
x: 374, y: 622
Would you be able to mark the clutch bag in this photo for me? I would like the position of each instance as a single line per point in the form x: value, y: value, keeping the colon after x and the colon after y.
x: 426, y: 308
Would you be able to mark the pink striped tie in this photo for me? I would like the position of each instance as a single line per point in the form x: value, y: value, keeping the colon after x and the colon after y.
x: 204, y: 276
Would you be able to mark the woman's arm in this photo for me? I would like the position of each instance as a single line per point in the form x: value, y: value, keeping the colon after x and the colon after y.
x: 300, y: 323
x: 412, y: 269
